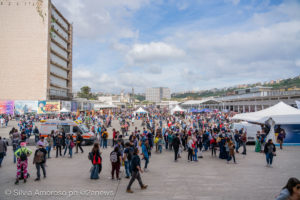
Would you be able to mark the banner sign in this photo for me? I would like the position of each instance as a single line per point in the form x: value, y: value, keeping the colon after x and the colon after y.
x: 74, y: 106
x: 7, y: 107
x: 67, y: 105
x: 24, y: 107
x: 47, y: 107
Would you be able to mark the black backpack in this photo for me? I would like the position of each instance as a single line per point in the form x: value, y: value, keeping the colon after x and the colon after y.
x: 23, y: 156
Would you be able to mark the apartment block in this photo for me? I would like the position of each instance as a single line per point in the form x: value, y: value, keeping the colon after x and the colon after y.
x: 35, y: 51
x: 157, y: 94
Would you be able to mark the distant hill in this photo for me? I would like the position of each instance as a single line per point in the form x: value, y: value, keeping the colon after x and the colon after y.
x: 283, y: 84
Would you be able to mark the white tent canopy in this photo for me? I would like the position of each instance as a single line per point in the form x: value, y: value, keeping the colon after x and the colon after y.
x: 280, y: 113
x: 140, y: 110
x: 177, y: 109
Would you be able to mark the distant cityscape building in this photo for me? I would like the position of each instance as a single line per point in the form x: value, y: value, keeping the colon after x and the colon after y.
x: 35, y: 51
x: 157, y: 94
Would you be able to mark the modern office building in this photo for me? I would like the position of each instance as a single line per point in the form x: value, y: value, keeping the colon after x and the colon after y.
x: 35, y: 51
x: 157, y: 94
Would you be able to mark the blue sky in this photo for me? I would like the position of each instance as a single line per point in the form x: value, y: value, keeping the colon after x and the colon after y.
x: 182, y: 44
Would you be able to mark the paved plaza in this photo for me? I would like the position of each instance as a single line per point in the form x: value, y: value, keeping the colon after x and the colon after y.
x: 210, y: 178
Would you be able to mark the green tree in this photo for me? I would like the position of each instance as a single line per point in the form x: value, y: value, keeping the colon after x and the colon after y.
x: 85, y: 92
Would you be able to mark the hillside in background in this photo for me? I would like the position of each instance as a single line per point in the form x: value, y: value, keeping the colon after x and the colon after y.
x: 286, y: 84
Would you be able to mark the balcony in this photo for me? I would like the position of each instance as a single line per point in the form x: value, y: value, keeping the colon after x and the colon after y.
x: 59, y: 94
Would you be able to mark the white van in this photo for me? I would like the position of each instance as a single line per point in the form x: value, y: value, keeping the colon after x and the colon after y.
x: 70, y: 127
x: 251, y: 129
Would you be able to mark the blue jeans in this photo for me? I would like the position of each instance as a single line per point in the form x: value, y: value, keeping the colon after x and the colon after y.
x: 104, y: 143
x: 127, y: 168
x: 48, y: 150
x: 269, y: 158
x: 195, y: 156
x: 70, y: 151
x: 15, y: 159
x: 1, y: 157
x: 237, y: 146
x: 146, y: 162
x: 160, y: 148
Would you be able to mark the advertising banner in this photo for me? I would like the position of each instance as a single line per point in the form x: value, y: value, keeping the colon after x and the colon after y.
x: 7, y: 107
x: 74, y: 106
x: 24, y: 107
x: 48, y: 107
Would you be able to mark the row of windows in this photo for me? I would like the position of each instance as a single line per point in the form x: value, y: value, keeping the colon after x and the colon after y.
x: 58, y: 71
x: 58, y: 81
x: 58, y: 60
x: 59, y: 40
x: 60, y: 30
x: 59, y: 19
x: 59, y: 50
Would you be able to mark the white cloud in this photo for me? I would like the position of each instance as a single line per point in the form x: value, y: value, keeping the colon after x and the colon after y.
x: 152, y: 52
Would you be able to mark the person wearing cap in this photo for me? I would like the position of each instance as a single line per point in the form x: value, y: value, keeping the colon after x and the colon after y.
x: 22, y: 161
x: 40, y: 159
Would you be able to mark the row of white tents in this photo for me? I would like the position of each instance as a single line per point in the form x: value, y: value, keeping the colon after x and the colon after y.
x: 279, y: 114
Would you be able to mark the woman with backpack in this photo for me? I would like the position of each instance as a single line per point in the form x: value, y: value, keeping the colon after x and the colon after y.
x: 96, y: 159
x: 22, y: 159
x: 115, y: 159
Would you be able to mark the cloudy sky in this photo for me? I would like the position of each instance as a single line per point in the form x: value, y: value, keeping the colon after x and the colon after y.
x: 182, y: 44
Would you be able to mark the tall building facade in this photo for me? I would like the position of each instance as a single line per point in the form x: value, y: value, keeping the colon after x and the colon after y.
x: 157, y: 94
x: 35, y: 51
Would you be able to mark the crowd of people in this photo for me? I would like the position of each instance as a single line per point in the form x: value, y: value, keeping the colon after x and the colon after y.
x: 193, y: 133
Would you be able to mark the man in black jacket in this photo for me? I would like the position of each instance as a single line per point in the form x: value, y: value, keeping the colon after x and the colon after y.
x: 136, y: 169
x: 39, y: 160
x: 176, y: 144
x: 79, y: 140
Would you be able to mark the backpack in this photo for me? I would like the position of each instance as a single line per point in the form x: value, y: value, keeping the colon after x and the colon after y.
x: 23, y: 156
x: 15, y: 144
x: 39, y: 157
x: 72, y: 144
x: 114, y: 157
x: 98, y: 161
x: 130, y: 153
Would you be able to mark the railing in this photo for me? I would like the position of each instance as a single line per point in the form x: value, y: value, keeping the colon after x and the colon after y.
x: 60, y: 93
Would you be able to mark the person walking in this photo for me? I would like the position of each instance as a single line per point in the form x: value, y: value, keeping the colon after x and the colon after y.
x: 96, y: 159
x: 49, y: 140
x: 136, y: 170
x: 231, y: 147
x: 115, y: 159
x: 244, y: 141
x: 79, y: 140
x: 39, y: 160
x: 58, y: 141
x: 281, y: 137
x: 36, y: 133
x: 104, y: 137
x: 15, y: 144
x: 127, y: 157
x: 190, y: 148
x: 69, y: 145
x: 270, y: 151
x: 145, y: 153
x: 3, y: 149
x: 22, y: 155
x: 176, y: 145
